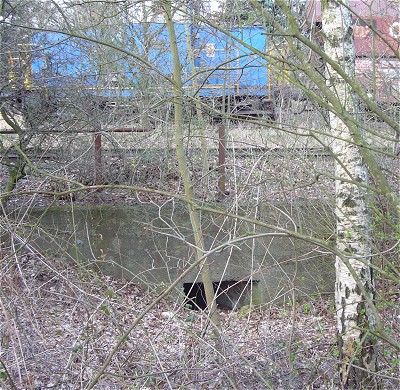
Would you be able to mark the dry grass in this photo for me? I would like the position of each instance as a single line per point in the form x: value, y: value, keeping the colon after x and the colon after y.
x: 60, y: 322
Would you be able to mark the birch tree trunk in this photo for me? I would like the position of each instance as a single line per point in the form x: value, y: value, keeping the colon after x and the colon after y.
x: 354, y: 318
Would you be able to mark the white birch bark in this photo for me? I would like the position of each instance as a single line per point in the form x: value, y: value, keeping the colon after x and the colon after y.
x: 354, y: 319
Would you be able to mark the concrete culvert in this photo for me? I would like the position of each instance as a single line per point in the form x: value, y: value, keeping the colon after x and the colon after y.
x: 230, y: 294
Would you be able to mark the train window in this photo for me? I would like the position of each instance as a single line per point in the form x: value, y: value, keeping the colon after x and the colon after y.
x: 210, y: 50
x: 362, y: 27
x: 159, y: 44
x: 114, y: 81
x: 394, y: 30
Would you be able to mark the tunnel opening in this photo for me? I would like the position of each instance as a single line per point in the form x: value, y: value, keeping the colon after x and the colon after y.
x: 230, y: 294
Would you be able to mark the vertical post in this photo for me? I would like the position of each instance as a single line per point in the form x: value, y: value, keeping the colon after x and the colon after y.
x: 98, y: 160
x: 221, y: 160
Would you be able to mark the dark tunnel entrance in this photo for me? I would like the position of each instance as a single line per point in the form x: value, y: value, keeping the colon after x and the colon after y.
x: 230, y: 294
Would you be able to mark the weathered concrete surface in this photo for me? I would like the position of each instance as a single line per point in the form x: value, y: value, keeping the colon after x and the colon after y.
x: 142, y: 244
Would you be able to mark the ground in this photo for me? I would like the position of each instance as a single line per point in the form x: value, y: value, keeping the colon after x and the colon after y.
x: 61, y: 321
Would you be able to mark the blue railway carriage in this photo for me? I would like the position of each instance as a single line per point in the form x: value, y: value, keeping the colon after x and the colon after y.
x: 62, y: 72
x: 132, y: 66
x: 232, y: 72
x: 229, y: 72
